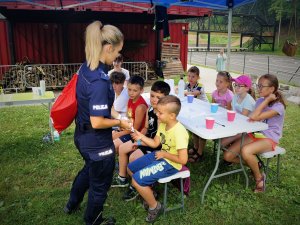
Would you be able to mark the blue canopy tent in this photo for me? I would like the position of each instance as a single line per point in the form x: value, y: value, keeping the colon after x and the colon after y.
x: 212, y: 4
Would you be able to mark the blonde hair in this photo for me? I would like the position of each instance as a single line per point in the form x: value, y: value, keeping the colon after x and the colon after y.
x: 96, y: 36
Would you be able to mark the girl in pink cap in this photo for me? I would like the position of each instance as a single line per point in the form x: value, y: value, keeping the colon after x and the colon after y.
x: 242, y: 102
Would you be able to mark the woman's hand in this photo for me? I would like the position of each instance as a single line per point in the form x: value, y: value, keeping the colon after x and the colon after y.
x: 125, y: 124
x: 159, y: 155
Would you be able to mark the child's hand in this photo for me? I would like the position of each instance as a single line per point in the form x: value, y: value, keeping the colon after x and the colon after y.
x: 159, y: 155
x: 135, y: 146
x: 137, y: 135
x: 271, y: 97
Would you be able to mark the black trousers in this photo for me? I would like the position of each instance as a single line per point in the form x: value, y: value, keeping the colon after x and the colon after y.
x: 95, y: 176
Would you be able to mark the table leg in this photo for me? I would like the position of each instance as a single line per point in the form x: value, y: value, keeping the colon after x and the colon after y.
x: 241, y: 161
x: 212, y: 176
x: 50, y: 123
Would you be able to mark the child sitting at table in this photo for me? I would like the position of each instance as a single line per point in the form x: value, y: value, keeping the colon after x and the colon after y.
x: 270, y: 108
x: 121, y: 93
x: 158, y: 90
x: 148, y: 169
x: 243, y: 101
x: 118, y: 68
x: 136, y: 113
x: 195, y: 88
x: 223, y: 95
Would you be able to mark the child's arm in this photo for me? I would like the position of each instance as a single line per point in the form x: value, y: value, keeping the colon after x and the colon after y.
x: 181, y: 158
x: 145, y: 129
x: 228, y: 106
x: 245, y: 112
x: 153, y: 143
x: 259, y: 115
x: 139, y: 115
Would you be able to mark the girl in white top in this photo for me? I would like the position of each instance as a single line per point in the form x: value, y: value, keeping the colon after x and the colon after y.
x: 118, y: 68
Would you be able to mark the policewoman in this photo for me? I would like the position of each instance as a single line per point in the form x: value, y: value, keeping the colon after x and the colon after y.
x: 93, y: 133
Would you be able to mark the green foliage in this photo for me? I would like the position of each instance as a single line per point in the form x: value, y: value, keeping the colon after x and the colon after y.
x: 36, y: 178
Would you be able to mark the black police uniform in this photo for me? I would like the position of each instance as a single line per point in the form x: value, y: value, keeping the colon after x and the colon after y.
x: 95, y: 97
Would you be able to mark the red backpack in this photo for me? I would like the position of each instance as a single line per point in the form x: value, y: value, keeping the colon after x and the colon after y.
x: 64, y: 108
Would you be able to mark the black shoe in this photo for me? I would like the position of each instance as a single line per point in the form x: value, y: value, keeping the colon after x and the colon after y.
x: 117, y: 182
x: 130, y: 194
x: 69, y: 210
x: 225, y: 163
x: 108, y: 221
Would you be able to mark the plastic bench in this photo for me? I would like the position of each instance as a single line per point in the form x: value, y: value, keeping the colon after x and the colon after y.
x: 180, y: 175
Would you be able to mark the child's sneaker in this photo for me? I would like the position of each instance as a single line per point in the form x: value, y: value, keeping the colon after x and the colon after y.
x: 154, y: 213
x: 130, y: 194
x: 119, y: 182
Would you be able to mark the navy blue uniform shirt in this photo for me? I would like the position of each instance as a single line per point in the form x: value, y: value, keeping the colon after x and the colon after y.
x: 95, y: 97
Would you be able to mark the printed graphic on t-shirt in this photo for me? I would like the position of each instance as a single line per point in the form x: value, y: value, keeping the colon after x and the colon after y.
x: 165, y: 146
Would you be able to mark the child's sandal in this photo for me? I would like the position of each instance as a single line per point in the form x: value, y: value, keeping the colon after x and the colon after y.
x: 195, y: 158
x: 262, y: 188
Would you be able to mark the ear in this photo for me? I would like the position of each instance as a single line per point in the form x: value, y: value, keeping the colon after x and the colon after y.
x: 173, y: 116
x: 108, y: 48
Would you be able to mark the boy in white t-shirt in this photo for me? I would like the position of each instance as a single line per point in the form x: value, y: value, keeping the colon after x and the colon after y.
x: 118, y: 68
x: 121, y: 93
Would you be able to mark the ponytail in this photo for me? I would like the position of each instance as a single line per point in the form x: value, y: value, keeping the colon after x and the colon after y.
x: 96, y: 36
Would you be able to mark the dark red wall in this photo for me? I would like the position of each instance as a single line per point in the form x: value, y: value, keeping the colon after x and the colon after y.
x: 47, y: 42
x: 4, y: 45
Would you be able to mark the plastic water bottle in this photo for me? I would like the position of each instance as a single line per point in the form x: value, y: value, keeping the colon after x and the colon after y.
x: 181, y: 88
x: 56, y: 135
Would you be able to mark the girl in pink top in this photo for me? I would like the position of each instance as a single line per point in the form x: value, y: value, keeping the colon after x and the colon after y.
x: 223, y: 95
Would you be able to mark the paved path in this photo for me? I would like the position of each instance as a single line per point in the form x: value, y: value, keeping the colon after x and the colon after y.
x: 254, y: 64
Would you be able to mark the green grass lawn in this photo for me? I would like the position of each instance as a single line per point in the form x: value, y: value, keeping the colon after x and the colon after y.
x: 35, y: 180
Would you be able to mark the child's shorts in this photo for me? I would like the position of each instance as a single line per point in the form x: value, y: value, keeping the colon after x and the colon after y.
x: 147, y: 170
x: 147, y: 149
x: 256, y: 136
x: 125, y: 138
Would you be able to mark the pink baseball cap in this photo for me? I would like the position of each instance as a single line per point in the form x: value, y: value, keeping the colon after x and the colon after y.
x: 244, y: 80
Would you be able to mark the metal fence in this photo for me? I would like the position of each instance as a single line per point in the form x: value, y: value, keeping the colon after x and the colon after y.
x: 137, y: 68
x: 12, y: 77
x: 19, y: 77
x: 286, y: 68
x: 55, y: 75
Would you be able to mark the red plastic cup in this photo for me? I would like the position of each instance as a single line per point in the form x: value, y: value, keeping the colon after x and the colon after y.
x: 210, y: 121
x: 230, y: 115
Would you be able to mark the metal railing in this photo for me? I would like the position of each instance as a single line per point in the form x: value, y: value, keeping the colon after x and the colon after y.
x: 286, y: 68
x: 55, y: 75
x: 137, y: 68
x: 12, y: 77
x: 19, y: 77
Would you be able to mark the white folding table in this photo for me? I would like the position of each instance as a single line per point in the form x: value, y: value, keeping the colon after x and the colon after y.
x: 192, y: 116
x: 28, y: 99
